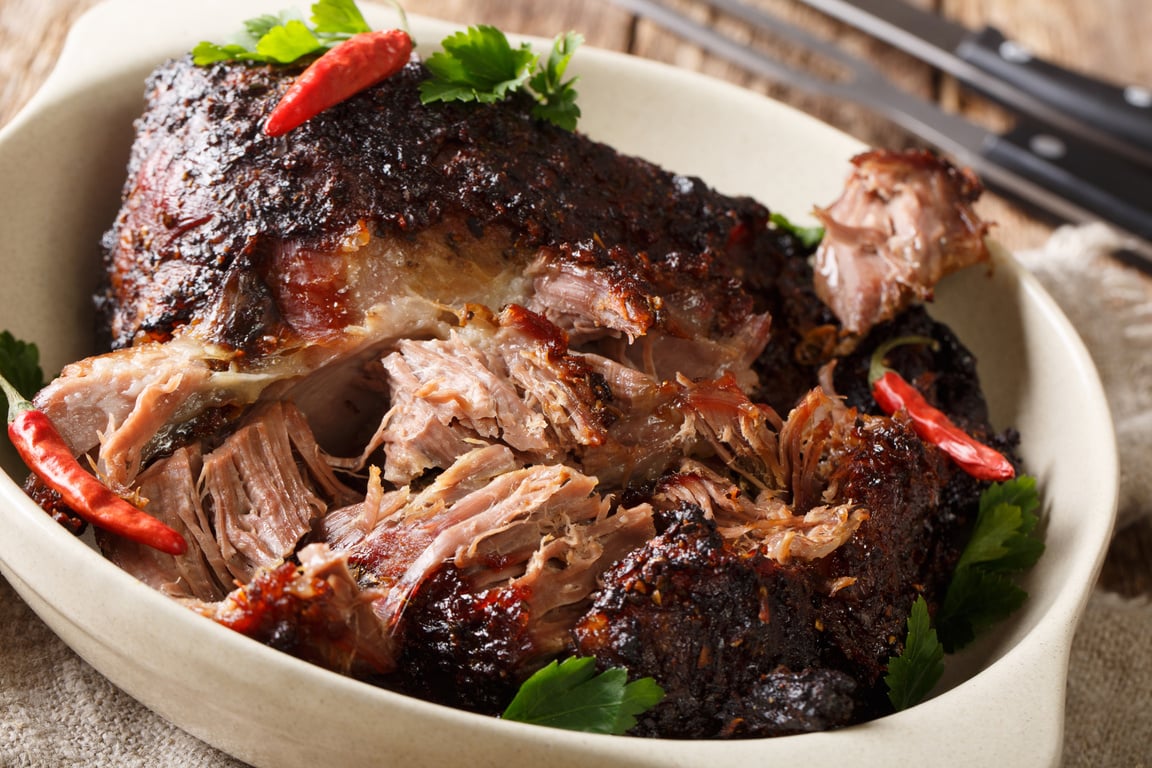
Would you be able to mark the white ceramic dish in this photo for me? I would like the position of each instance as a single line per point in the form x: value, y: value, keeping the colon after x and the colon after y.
x: 62, y: 164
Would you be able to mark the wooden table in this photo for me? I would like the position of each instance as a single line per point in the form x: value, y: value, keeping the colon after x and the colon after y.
x: 1104, y: 37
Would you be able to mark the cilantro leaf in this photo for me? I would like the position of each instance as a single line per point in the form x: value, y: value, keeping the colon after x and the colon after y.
x: 281, y: 39
x: 20, y: 365
x: 560, y: 109
x: 557, y: 97
x: 1004, y: 541
x: 976, y: 600
x: 288, y: 42
x: 809, y: 237
x: 480, y: 65
x: 477, y: 64
x: 913, y: 673
x: 259, y: 26
x: 338, y: 17
x: 572, y: 696
x: 206, y: 53
x: 995, y: 528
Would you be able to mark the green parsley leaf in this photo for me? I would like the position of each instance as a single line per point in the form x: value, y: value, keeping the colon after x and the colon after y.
x: 281, y: 39
x: 261, y: 25
x: 557, y: 97
x: 1005, y: 541
x: 20, y: 365
x: 572, y: 696
x: 480, y: 65
x: 913, y: 673
x: 338, y: 17
x: 976, y: 600
x: 477, y: 64
x: 206, y: 53
x: 809, y: 237
x: 288, y: 42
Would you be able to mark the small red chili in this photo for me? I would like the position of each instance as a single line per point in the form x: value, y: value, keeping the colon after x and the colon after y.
x: 357, y: 63
x: 44, y: 451
x: 893, y: 394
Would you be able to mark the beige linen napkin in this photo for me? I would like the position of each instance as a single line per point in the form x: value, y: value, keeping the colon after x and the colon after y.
x: 1109, y: 300
x: 57, y: 711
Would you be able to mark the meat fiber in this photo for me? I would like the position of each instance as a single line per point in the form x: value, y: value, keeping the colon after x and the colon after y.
x: 904, y: 221
x: 438, y: 394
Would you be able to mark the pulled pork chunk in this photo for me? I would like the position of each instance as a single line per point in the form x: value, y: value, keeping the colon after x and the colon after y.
x: 707, y: 624
x: 485, y: 537
x: 314, y: 610
x: 738, y: 597
x: 471, y: 647
x: 904, y: 221
x: 508, y: 378
x: 246, y: 505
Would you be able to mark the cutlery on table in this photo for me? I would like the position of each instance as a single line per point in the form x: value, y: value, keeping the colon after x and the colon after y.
x: 1036, y: 161
x: 1114, y: 116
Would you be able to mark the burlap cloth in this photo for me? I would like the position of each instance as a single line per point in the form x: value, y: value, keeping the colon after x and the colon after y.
x: 55, y: 710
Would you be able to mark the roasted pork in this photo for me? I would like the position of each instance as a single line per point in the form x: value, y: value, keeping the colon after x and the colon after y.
x: 440, y: 393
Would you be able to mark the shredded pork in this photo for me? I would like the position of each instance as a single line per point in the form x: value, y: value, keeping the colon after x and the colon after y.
x: 905, y: 221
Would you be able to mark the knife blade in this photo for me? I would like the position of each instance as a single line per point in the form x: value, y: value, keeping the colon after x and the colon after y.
x: 1060, y: 173
x: 1114, y: 116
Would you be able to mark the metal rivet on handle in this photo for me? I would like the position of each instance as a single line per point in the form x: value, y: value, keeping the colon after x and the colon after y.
x: 1137, y: 96
x: 1047, y: 146
x: 1012, y: 51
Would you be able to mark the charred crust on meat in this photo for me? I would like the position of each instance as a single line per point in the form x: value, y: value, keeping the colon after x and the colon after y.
x: 49, y: 500
x: 707, y: 625
x: 207, y: 186
x: 783, y: 702
x: 465, y: 649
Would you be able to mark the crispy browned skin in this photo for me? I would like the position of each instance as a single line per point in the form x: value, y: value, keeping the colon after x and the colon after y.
x: 708, y: 625
x: 211, y: 203
x: 716, y: 628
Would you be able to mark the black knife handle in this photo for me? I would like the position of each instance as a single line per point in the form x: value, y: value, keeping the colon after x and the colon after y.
x: 1111, y: 110
x: 1099, y: 183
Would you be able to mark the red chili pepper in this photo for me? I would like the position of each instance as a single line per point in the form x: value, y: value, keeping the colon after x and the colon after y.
x: 893, y: 394
x: 359, y: 62
x: 46, y: 454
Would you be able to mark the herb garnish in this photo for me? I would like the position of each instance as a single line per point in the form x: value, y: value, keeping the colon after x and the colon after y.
x: 20, y: 365
x: 912, y: 674
x: 480, y: 65
x: 1004, y: 542
x: 572, y: 696
x: 809, y: 237
x: 280, y: 39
